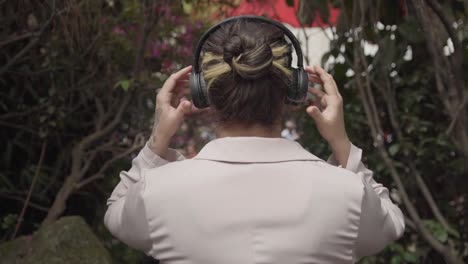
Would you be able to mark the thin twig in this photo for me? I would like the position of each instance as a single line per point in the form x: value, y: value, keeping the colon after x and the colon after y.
x: 461, y: 108
x: 29, y: 46
x: 21, y: 199
x: 31, y: 188
x: 23, y: 128
x: 17, y: 38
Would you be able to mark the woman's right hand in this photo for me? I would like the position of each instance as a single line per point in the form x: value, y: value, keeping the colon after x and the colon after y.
x: 171, y: 109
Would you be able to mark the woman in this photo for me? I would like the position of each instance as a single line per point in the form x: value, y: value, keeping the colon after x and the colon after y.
x: 251, y: 196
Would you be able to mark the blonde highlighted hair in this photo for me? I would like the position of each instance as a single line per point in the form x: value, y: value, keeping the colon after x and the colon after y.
x: 214, y: 66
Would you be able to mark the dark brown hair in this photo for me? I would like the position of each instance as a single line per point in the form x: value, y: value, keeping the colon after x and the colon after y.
x: 246, y: 66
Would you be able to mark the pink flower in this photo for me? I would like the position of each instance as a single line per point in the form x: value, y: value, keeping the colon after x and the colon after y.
x: 164, y: 46
x: 133, y: 27
x: 166, y: 64
x: 186, y: 51
x: 155, y: 51
x: 117, y: 30
x: 187, y: 38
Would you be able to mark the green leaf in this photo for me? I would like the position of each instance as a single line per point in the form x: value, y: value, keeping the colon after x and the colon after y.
x: 187, y: 7
x: 9, y: 221
x: 410, y: 257
x: 290, y: 2
x: 441, y: 235
x: 453, y: 232
x: 124, y: 84
x: 393, y: 149
x: 396, y: 260
x: 437, y: 230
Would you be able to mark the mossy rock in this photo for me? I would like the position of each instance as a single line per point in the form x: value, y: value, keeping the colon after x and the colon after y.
x: 69, y: 240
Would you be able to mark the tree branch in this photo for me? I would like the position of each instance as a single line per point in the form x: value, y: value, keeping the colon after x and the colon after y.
x: 107, y: 164
x: 76, y: 174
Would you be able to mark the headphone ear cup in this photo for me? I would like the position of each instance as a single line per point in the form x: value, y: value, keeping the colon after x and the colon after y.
x: 303, y: 85
x: 197, y: 90
x: 297, y: 92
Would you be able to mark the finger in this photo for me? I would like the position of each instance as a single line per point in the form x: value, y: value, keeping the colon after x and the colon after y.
x: 315, y: 79
x: 321, y: 103
x: 168, y: 93
x: 197, y: 110
x: 180, y: 86
x: 313, y: 75
x: 317, y: 92
x: 185, y: 77
x: 184, y: 108
x: 315, y: 113
x: 182, y: 81
x: 324, y: 102
x: 171, y: 82
x: 328, y: 82
x: 177, y: 98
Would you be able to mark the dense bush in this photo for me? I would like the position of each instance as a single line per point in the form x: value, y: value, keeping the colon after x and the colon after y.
x: 400, y: 66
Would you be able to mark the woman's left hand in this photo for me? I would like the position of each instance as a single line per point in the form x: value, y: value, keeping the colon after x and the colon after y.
x: 171, y: 109
x: 328, y: 117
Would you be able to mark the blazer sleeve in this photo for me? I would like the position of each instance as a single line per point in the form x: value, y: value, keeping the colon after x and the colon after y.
x: 126, y: 212
x: 381, y: 220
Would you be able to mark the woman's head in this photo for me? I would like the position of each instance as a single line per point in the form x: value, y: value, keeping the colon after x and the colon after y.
x: 246, y: 67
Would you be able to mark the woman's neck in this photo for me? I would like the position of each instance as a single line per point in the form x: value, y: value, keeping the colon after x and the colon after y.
x: 236, y: 130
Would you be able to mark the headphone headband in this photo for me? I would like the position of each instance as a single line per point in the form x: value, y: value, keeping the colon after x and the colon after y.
x: 286, y: 31
x: 297, y: 90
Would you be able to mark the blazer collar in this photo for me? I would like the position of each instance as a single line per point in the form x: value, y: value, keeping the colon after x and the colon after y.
x: 254, y: 150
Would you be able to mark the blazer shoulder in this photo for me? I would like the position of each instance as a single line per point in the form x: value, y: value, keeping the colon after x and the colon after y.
x: 341, y: 180
x: 174, y: 174
x: 340, y: 173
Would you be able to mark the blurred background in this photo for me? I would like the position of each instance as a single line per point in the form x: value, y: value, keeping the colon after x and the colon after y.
x: 77, y: 90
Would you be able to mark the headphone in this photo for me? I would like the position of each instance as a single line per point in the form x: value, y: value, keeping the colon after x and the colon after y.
x: 297, y: 90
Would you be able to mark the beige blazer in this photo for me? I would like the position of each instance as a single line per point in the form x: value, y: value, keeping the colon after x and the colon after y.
x: 246, y: 200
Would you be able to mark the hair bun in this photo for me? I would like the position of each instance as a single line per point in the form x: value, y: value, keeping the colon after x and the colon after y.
x: 232, y: 48
x: 250, y: 58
